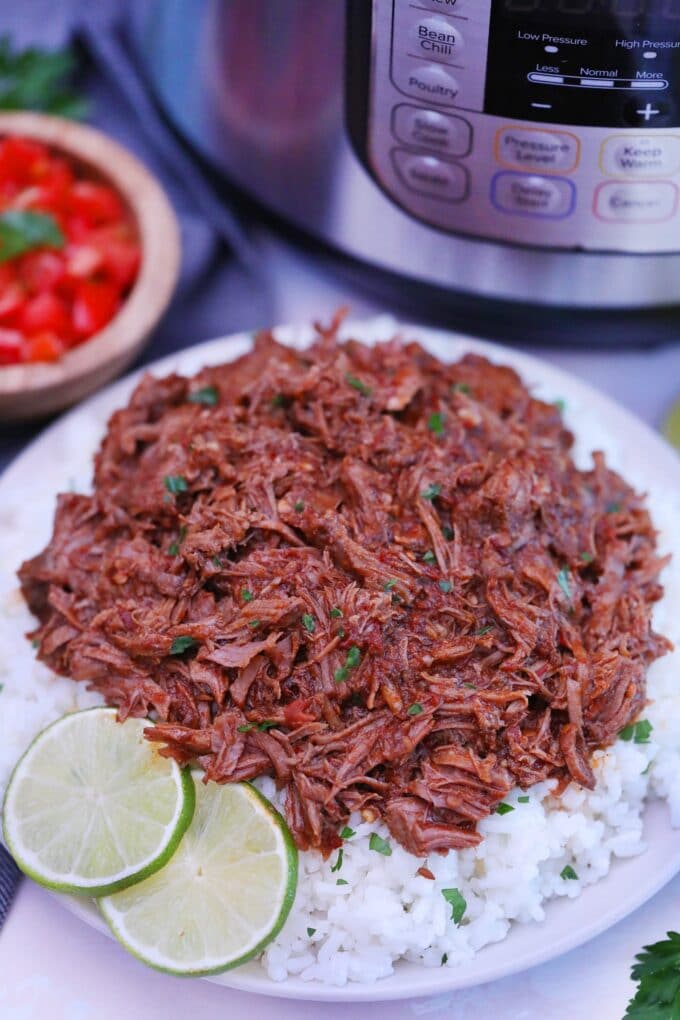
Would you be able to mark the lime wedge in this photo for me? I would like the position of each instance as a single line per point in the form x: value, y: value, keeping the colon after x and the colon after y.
x: 224, y: 895
x: 92, y: 806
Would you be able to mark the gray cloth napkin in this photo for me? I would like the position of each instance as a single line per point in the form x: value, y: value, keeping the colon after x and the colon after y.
x: 221, y: 288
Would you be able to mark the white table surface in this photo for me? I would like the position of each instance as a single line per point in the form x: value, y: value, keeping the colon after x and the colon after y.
x: 52, y: 967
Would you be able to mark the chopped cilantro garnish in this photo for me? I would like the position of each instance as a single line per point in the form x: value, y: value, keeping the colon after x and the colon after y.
x: 351, y: 662
x: 267, y: 724
x: 217, y: 562
x: 563, y: 581
x: 503, y: 808
x: 208, y: 395
x: 357, y: 384
x: 308, y: 622
x: 175, y: 483
x: 586, y: 557
x: 524, y: 799
x: 471, y: 687
x: 638, y: 732
x: 335, y: 612
x: 341, y: 632
x: 173, y: 549
x: 613, y: 508
x: 445, y: 959
x: 431, y: 492
x: 568, y: 872
x: 35, y: 643
x: 560, y: 405
x: 415, y: 709
x: 338, y: 863
x: 484, y: 630
x: 340, y: 881
x: 347, y: 833
x: 445, y: 586
x: 254, y: 623
x: 182, y: 644
x: 298, y: 507
x: 435, y: 423
x: 457, y: 902
x: 460, y: 387
x: 277, y: 400
x: 311, y: 931
x: 389, y: 585
x: 380, y: 845
x: 429, y: 557
x: 646, y: 769
x: 245, y: 727
x: 247, y: 595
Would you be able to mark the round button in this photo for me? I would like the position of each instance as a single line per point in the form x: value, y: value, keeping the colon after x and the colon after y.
x: 641, y: 156
x: 531, y: 195
x: 432, y: 129
x: 436, y: 38
x: 534, y: 149
x: 432, y: 82
x: 636, y: 202
x: 431, y: 176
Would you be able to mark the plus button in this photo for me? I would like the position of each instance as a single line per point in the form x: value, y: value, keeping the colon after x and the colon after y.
x: 647, y: 112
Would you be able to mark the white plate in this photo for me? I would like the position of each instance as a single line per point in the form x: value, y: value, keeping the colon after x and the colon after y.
x: 649, y: 463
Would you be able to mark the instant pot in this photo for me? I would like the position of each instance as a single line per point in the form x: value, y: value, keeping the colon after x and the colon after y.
x: 512, y: 150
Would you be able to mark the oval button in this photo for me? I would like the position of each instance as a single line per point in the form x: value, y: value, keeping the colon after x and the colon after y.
x: 535, y: 149
x: 431, y: 129
x: 436, y: 37
x: 436, y: 178
x: 433, y: 83
x: 641, y: 156
x: 636, y: 202
x: 531, y: 195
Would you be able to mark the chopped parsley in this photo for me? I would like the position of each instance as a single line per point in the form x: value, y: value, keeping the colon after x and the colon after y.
x: 245, y: 727
x: 267, y: 724
x: 586, y: 557
x: 445, y: 586
x: 484, y: 630
x: 357, y: 384
x: 460, y: 387
x: 614, y: 508
x: 431, y: 492
x: 182, y: 644
x: 335, y: 612
x: 560, y: 404
x: 217, y: 562
x: 35, y: 643
x: 347, y: 833
x: 435, y: 423
x: 445, y: 959
x: 207, y: 395
x: 353, y: 657
x: 338, y: 863
x: 429, y: 557
x: 247, y: 595
x: 415, y: 709
x: 175, y: 484
x: 308, y: 622
x: 457, y: 902
x: 638, y: 732
x: 380, y: 845
x: 254, y: 623
x: 299, y: 506
x: 389, y: 585
x: 503, y: 808
x: 173, y: 548
x: 471, y: 687
x: 311, y: 931
x: 341, y: 632
x: 563, y: 581
x: 524, y: 799
x: 340, y: 881
x: 278, y: 400
x: 568, y: 873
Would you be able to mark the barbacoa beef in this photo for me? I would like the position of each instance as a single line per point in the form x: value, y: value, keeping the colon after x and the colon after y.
x: 378, y: 578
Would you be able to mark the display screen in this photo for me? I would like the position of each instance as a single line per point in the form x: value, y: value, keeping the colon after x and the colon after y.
x: 616, y: 8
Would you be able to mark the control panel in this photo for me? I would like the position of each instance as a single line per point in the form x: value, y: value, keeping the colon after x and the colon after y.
x: 549, y: 123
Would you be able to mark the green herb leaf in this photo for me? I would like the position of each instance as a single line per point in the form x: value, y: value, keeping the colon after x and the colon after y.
x: 523, y: 799
x: 380, y: 845
x: 35, y: 643
x: 247, y: 595
x: 563, y: 581
x: 613, y: 508
x: 278, y: 400
x: 37, y: 79
x: 471, y: 687
x: 308, y: 622
x: 484, y: 630
x: 182, y: 644
x: 207, y: 395
x: 173, y: 549
x: 268, y: 724
x: 503, y: 808
x: 347, y: 833
x: 175, y: 483
x: 639, y: 732
x: 431, y: 492
x: 254, y: 623
x: 335, y: 612
x: 217, y: 562
x: 357, y: 384
x: 586, y: 557
x: 353, y: 657
x: 460, y: 387
x: 22, y: 230
x: 298, y: 507
x: 560, y: 404
x: 457, y: 902
x: 341, y: 632
x: 429, y: 557
x: 447, y: 533
x: 340, y: 881
x: 389, y: 585
x: 338, y: 863
x: 446, y: 586
x: 568, y: 873
x: 657, y: 972
x: 245, y: 727
x: 445, y: 959
x: 435, y: 423
x: 415, y: 709
x: 311, y: 931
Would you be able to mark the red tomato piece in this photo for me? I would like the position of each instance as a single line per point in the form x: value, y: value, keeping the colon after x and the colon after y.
x: 11, y: 344
x: 41, y: 270
x: 95, y: 203
x: 82, y: 260
x: 12, y: 298
x: 94, y: 305
x: 23, y: 159
x: 45, y: 313
x: 43, y: 347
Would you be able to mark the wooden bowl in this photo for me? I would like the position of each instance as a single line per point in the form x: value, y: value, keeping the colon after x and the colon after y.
x: 40, y: 388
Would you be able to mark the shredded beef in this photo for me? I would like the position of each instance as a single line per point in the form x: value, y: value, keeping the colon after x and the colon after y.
x: 403, y: 597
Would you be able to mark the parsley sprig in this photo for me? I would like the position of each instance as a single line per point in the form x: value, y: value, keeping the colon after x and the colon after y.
x: 37, y: 79
x: 657, y: 972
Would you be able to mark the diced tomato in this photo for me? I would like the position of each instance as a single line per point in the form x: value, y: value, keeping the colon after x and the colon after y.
x: 23, y: 159
x: 12, y: 297
x: 95, y: 203
x: 95, y: 303
x: 11, y: 344
x: 45, y: 313
x: 41, y: 270
x: 43, y: 347
x: 82, y: 260
x: 121, y: 261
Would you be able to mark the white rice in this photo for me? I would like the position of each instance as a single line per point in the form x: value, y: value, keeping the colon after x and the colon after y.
x: 385, y: 911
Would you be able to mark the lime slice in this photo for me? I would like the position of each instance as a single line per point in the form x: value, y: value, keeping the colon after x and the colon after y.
x: 92, y: 806
x: 224, y: 895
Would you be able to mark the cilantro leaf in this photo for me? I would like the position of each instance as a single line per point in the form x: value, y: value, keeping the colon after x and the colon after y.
x: 380, y: 845
x: 431, y: 492
x: 175, y: 483
x: 182, y: 644
x: 415, y: 709
x: 563, y: 581
x: 639, y: 732
x: 22, y: 230
x: 457, y: 902
x: 503, y: 808
x: 435, y: 423
x: 357, y: 384
x: 207, y: 395
x: 657, y: 972
x: 37, y: 79
x: 308, y: 622
x: 338, y: 863
x: 347, y: 833
x: 568, y: 872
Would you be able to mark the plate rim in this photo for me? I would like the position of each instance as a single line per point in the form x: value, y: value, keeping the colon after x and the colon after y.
x: 535, y: 372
